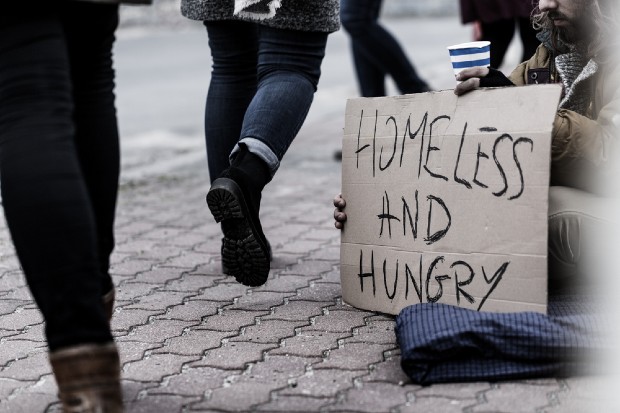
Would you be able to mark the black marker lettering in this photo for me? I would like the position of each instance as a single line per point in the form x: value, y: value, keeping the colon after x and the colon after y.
x: 386, y: 215
x: 499, y: 166
x: 433, y: 148
x: 458, y: 159
x: 390, y: 296
x: 478, y: 156
x: 439, y: 234
x: 438, y: 278
x: 371, y: 274
x: 383, y: 168
x: 497, y: 277
x: 514, y: 153
x: 460, y: 284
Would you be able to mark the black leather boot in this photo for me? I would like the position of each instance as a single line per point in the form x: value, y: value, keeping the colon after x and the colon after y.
x: 234, y: 200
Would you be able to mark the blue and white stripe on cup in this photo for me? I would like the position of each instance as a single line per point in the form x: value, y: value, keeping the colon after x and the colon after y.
x: 471, y: 54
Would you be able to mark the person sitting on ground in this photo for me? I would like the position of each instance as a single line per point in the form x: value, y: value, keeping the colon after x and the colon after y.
x: 577, y: 51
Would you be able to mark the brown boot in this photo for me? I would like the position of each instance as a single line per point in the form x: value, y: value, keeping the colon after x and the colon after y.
x: 88, y: 378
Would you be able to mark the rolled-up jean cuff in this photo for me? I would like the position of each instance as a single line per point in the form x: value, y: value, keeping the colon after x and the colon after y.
x: 260, y: 149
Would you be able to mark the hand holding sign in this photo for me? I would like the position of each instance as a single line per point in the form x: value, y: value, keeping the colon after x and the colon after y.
x: 446, y: 199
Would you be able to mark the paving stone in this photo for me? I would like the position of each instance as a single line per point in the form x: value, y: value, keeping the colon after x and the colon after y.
x: 187, y: 239
x: 452, y: 390
x: 34, y: 332
x: 377, y: 332
x: 157, y: 276
x: 231, y: 320
x: 584, y: 394
x: 354, y: 356
x: 128, y: 291
x: 330, y: 277
x: 324, y: 383
x: 14, y: 349
x: 222, y: 292
x: 338, y: 321
x: 159, y: 253
x: 260, y: 300
x: 193, y: 342
x: 194, y: 381
x: 162, y: 233
x: 156, y: 331
x: 123, y: 320
x: 282, y: 260
x: 10, y: 280
x: 216, y: 264
x: 370, y: 397
x: 326, y: 252
x: 20, y: 318
x: 134, y: 228
x: 322, y: 234
x: 130, y: 351
x: 135, y: 246
x: 296, y: 311
x: 233, y: 355
x: 437, y: 404
x: 157, y: 301
x: 191, y: 311
x: 165, y: 403
x: 8, y: 386
x: 212, y: 247
x: 297, y: 247
x: 30, y: 368
x: 319, y: 292
x: 27, y: 403
x: 155, y: 367
x: 269, y: 331
x: 311, y: 267
x: 508, y: 397
x: 277, y: 370
x: 388, y: 371
x: 286, y: 283
x: 299, y: 404
x: 18, y: 293
x: 237, y: 397
x: 131, y: 267
x: 193, y: 283
x: 187, y: 260
x: 308, y: 344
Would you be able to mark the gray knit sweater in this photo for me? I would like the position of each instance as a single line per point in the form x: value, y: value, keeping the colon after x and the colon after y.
x: 304, y: 15
x: 120, y: 1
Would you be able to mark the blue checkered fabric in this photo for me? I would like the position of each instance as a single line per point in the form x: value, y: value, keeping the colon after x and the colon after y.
x: 441, y: 343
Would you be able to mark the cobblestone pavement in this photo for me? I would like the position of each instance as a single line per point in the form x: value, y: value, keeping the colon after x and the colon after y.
x: 192, y: 340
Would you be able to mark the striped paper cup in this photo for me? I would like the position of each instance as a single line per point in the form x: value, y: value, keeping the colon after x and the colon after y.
x: 470, y: 54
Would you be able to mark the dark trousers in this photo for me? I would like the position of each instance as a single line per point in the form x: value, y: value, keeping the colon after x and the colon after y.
x: 262, y: 86
x: 59, y: 159
x: 500, y: 34
x: 376, y: 53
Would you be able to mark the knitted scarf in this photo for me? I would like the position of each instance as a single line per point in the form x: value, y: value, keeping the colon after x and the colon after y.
x: 256, y: 9
x: 576, y: 72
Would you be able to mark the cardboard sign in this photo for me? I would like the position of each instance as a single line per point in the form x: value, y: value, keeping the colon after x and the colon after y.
x: 447, y: 199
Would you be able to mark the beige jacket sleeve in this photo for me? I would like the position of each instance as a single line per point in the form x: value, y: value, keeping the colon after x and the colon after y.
x: 583, y: 147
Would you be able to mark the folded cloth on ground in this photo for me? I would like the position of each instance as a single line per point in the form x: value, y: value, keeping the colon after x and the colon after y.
x: 442, y: 343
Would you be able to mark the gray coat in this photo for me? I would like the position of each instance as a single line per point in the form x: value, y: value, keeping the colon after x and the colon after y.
x: 303, y: 15
x: 120, y: 1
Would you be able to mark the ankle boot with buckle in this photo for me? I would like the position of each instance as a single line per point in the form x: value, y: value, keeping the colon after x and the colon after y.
x: 88, y: 378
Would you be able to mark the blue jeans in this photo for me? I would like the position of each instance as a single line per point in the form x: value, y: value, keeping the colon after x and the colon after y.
x: 262, y: 85
x: 376, y: 53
